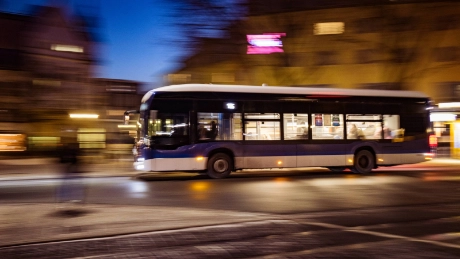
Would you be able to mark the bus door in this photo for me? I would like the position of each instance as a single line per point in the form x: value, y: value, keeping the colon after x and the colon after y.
x: 263, y: 147
x: 326, y: 146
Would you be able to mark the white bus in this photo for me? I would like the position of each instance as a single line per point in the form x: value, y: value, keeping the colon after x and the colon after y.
x: 216, y: 129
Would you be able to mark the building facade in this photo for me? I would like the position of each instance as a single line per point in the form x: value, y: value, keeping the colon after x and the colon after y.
x: 409, y: 46
x: 48, y: 61
x: 393, y: 45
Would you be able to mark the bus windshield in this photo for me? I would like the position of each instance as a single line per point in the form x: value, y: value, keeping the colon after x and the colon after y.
x: 168, y: 124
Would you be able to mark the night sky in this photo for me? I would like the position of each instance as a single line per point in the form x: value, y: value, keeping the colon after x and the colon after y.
x: 137, y: 39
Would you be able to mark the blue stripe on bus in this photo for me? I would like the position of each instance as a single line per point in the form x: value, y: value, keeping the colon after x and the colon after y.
x: 243, y: 149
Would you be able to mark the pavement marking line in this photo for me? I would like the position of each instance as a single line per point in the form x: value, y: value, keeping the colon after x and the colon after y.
x: 325, y: 249
x: 381, y: 234
x: 413, y: 239
x: 443, y: 236
x: 356, y: 246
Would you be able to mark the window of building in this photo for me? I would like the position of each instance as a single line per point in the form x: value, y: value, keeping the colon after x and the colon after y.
x: 325, y: 58
x: 327, y: 126
x: 222, y: 77
x: 327, y: 28
x: 179, y: 78
x: 400, y: 24
x: 446, y: 54
x: 446, y: 22
x: 366, y: 56
x: 403, y: 55
x: 123, y: 100
x: 368, y: 25
x: 67, y: 48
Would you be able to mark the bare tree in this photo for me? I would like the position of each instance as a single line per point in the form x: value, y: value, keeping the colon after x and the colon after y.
x: 197, y: 19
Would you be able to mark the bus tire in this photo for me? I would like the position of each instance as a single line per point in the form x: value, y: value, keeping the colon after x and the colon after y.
x: 220, y: 165
x: 364, y: 162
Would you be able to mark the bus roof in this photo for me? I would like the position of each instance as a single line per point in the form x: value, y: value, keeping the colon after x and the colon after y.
x: 312, y: 91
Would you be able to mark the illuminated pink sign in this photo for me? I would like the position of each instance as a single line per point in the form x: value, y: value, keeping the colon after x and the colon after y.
x: 265, y: 43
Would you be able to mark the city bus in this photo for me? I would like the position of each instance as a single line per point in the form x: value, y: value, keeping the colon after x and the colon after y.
x: 216, y: 129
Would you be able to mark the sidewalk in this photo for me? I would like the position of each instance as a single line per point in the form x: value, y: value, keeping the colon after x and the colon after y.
x: 35, y: 223
x: 27, y: 223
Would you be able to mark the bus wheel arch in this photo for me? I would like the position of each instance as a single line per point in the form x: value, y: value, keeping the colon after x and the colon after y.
x: 220, y: 164
x: 364, y: 161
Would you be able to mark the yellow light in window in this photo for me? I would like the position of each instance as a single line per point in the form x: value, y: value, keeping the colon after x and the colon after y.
x: 126, y: 126
x: 67, y: 48
x: 83, y: 116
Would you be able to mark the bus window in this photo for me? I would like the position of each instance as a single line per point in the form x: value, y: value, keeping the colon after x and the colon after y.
x: 327, y: 126
x: 262, y: 126
x: 262, y: 116
x: 219, y: 126
x: 295, y: 126
x: 364, y: 126
x: 369, y: 126
x: 391, y: 126
x: 262, y: 130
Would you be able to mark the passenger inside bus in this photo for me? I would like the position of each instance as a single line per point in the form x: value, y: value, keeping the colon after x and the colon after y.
x: 355, y: 132
x: 204, y: 133
x: 213, y: 132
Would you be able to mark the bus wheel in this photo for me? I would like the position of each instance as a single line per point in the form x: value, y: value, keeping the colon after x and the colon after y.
x: 219, y: 166
x: 364, y: 162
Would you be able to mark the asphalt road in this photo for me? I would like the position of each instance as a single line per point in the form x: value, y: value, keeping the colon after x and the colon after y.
x: 280, y: 192
x: 319, y: 214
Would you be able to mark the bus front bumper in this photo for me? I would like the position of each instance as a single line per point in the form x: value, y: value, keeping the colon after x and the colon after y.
x: 172, y: 164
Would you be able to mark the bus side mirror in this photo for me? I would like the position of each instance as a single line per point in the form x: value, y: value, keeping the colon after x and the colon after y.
x: 126, y: 116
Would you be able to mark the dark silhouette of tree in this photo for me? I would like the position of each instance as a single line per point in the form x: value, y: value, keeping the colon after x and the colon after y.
x: 198, y: 19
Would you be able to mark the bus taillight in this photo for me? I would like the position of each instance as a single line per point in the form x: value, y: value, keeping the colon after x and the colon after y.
x: 433, y: 141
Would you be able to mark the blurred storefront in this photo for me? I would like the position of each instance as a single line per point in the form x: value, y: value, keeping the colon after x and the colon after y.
x: 48, y: 60
x: 445, y: 118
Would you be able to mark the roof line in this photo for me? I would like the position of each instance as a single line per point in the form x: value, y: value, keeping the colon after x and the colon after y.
x: 289, y: 90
